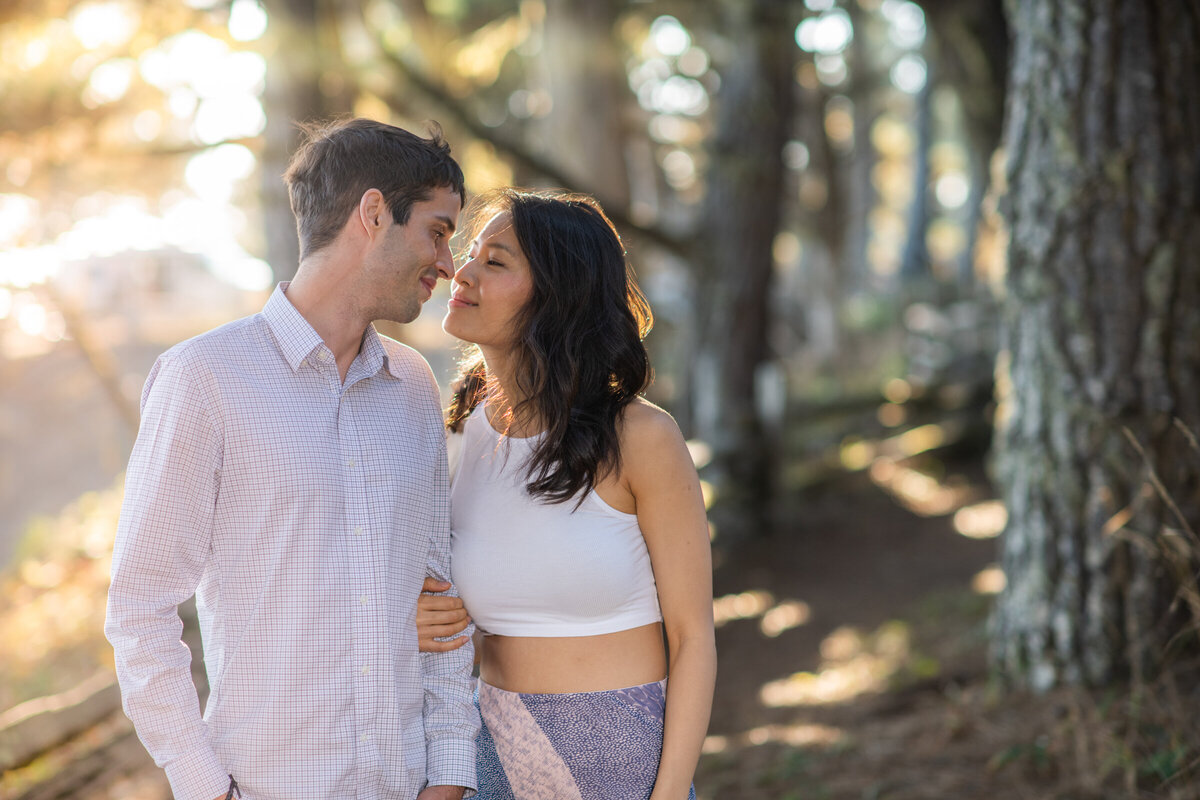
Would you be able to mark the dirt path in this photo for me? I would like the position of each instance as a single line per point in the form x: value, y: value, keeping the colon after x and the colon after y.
x: 875, y: 582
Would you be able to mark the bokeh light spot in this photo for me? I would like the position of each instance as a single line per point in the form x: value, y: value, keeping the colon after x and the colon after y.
x: 669, y: 36
x: 247, y: 20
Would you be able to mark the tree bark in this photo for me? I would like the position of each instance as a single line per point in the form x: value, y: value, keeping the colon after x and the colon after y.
x: 1099, y: 374
x: 742, y: 215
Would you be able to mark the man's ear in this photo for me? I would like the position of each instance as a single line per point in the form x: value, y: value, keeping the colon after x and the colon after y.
x: 373, y: 213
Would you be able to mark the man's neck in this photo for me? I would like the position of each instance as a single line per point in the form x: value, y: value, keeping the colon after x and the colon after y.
x: 321, y: 297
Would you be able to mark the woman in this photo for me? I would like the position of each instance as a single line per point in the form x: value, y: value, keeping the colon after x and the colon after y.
x: 579, y: 531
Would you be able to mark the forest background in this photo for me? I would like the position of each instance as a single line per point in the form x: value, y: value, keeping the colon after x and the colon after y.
x: 926, y: 278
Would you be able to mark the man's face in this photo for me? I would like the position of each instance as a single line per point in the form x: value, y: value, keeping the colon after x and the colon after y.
x: 406, y: 265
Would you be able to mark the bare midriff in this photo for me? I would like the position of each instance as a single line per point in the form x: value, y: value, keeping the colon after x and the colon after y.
x: 558, y: 665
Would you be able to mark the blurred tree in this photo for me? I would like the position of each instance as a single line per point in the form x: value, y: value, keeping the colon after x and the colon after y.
x: 864, y: 99
x: 588, y: 91
x: 306, y: 80
x: 971, y: 56
x: 742, y: 214
x: 914, y: 261
x: 1100, y: 372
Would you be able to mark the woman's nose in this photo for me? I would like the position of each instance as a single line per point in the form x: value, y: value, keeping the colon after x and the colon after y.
x: 463, y: 274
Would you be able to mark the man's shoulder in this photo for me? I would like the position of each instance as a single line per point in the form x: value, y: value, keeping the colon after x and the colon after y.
x: 202, y: 359
x: 218, y: 342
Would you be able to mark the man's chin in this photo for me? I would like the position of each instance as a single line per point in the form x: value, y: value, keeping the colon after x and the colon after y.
x: 402, y: 316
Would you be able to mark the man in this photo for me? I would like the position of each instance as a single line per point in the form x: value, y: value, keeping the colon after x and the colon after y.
x: 290, y: 471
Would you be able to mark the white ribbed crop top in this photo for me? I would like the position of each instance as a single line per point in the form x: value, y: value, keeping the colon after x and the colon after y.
x: 528, y: 568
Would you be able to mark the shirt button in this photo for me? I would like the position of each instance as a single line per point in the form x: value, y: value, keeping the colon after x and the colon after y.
x: 358, y: 531
x: 364, y: 737
x: 363, y: 600
x: 350, y: 463
x: 366, y: 670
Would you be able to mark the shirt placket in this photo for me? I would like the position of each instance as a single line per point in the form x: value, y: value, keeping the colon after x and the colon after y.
x: 365, y: 593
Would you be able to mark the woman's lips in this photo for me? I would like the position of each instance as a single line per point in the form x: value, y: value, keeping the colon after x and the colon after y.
x: 458, y: 302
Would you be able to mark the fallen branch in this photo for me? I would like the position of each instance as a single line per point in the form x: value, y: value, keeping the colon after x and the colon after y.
x: 28, y: 730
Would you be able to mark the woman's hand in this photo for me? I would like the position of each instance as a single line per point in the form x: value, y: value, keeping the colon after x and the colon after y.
x: 440, y: 616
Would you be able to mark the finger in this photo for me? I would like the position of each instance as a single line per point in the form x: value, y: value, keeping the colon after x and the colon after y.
x: 445, y: 630
x: 434, y: 585
x: 431, y: 602
x: 426, y: 616
x: 426, y: 622
x: 435, y: 646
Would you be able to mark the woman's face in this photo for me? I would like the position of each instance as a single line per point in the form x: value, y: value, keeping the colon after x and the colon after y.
x: 491, y: 288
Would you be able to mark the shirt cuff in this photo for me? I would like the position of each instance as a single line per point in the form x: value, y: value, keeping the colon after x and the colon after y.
x: 451, y: 762
x: 197, y: 775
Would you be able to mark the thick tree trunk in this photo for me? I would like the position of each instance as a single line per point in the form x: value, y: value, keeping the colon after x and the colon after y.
x: 1100, y: 368
x: 742, y: 217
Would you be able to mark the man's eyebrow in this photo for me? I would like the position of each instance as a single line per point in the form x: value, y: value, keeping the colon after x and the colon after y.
x: 447, y: 222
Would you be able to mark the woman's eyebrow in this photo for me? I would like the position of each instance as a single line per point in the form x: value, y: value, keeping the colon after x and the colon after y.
x: 494, y: 243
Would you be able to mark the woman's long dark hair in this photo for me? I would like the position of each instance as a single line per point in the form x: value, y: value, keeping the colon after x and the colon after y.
x: 579, y: 353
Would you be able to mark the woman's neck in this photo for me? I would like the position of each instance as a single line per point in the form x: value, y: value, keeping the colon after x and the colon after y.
x: 505, y: 397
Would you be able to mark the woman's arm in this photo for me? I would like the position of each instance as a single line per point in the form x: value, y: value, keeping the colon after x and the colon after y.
x: 658, y: 471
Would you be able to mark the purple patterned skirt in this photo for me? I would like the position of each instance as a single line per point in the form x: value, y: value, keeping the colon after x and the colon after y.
x: 578, y: 746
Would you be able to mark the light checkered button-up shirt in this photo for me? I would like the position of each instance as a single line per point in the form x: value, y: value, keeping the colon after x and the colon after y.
x: 304, y: 514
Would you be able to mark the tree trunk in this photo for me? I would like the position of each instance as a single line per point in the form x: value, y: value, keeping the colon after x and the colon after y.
x: 970, y: 46
x: 742, y: 216
x: 588, y: 85
x: 305, y: 81
x: 1099, y: 374
x: 914, y: 262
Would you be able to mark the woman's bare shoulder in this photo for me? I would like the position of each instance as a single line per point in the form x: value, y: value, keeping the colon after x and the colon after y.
x: 641, y: 417
x: 649, y: 433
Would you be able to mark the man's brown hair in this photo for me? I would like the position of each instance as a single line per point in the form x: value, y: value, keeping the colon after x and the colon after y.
x: 339, y: 160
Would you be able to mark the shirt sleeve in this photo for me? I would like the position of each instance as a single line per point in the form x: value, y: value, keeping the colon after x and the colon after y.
x: 451, y: 719
x: 162, y: 545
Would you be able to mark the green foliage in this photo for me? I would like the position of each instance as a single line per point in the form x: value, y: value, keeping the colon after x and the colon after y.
x: 1034, y: 755
x: 1165, y: 764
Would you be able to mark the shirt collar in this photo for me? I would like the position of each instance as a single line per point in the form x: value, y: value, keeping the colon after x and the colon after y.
x: 297, y: 339
x: 294, y: 336
x: 371, y: 354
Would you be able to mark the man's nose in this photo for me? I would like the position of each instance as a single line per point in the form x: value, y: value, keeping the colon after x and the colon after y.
x: 445, y: 263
